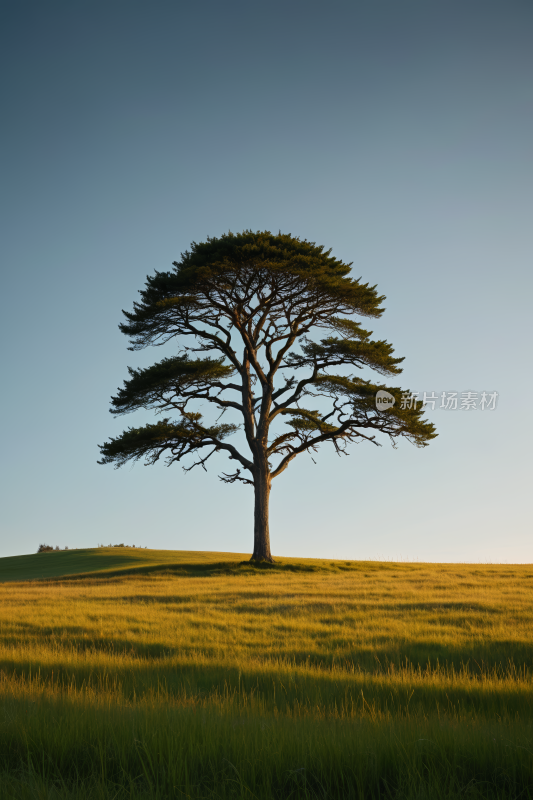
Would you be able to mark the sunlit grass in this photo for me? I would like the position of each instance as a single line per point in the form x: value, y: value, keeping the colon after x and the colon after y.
x: 195, y: 675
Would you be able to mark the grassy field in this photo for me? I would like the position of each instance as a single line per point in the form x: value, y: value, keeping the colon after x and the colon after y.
x: 145, y: 674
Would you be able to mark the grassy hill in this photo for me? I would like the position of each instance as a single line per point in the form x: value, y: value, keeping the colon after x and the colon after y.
x: 69, y: 563
x: 127, y: 560
x: 143, y: 674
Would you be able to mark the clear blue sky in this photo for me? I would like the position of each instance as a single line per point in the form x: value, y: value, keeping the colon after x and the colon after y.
x: 398, y: 133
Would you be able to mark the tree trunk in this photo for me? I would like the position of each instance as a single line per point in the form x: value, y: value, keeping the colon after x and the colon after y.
x: 262, y: 483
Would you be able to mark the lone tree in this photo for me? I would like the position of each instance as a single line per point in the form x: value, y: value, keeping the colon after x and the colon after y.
x: 253, y: 301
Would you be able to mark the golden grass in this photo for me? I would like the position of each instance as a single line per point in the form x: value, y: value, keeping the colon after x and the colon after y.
x: 390, y: 655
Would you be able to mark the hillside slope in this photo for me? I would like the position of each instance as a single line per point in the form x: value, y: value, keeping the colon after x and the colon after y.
x: 66, y: 563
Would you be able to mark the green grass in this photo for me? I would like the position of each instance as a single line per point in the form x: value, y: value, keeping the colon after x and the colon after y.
x: 63, y: 563
x: 155, y: 674
x: 122, y: 560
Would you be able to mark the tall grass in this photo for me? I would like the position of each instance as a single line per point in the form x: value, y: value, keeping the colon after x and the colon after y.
x: 323, y: 680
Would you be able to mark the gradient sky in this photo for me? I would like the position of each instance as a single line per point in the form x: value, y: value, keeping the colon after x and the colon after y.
x: 398, y: 133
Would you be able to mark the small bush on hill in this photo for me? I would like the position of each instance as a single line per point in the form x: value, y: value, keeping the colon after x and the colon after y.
x: 45, y: 548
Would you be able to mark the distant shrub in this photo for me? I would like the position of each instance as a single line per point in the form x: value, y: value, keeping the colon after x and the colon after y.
x: 45, y: 548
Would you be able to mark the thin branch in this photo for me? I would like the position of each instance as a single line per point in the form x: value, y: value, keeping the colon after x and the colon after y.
x: 235, y: 476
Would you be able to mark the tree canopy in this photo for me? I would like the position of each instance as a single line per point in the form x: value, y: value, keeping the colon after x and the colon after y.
x: 266, y: 332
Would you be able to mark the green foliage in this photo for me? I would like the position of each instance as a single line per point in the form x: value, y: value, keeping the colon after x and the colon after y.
x: 152, y: 441
x: 351, y: 352
x: 279, y: 266
x: 179, y: 376
x: 270, y: 293
x: 358, y: 397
